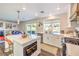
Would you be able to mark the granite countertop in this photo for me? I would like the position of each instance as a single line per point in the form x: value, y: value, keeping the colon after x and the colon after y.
x: 23, y: 40
x: 20, y: 40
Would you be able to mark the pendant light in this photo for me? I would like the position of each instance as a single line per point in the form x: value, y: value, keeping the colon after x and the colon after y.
x: 18, y: 12
x: 18, y: 18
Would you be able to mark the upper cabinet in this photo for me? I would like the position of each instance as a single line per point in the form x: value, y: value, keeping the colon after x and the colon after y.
x: 8, y: 26
x: 73, y: 8
x: 1, y: 25
x: 74, y: 14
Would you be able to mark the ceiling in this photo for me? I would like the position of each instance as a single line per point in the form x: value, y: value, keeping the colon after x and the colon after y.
x: 8, y: 11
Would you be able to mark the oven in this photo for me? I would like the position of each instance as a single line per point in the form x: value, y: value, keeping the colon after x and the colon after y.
x: 30, y: 49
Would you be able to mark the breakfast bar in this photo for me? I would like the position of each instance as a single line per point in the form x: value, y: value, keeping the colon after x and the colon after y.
x: 27, y: 46
x: 20, y: 44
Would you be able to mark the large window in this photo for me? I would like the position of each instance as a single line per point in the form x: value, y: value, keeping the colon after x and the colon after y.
x: 56, y: 28
x: 52, y: 27
x: 31, y: 28
x: 47, y: 26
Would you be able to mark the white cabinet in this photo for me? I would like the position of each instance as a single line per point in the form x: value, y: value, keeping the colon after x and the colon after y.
x: 56, y: 41
x: 14, y: 26
x: 20, y: 44
x: 10, y: 26
x: 48, y: 39
x: 53, y: 40
x: 51, y: 33
x: 1, y: 25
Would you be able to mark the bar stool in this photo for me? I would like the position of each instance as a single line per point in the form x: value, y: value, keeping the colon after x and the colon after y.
x: 10, y: 48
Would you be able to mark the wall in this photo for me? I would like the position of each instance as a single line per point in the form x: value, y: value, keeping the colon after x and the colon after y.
x: 22, y: 25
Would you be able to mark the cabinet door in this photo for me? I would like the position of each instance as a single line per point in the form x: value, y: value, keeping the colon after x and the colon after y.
x: 56, y: 41
x: 47, y: 39
x: 14, y: 26
x: 1, y: 26
x: 8, y: 25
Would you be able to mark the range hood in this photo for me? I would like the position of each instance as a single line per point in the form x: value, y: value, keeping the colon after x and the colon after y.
x: 75, y: 19
x: 77, y: 28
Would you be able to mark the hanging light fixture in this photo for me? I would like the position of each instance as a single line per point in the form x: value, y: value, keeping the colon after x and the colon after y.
x: 18, y: 18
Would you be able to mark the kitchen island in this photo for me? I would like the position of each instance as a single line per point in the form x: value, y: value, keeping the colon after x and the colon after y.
x: 28, y: 46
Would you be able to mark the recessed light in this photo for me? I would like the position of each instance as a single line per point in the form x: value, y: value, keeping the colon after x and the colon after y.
x: 51, y: 16
x: 36, y: 14
x: 23, y: 8
x: 58, y: 8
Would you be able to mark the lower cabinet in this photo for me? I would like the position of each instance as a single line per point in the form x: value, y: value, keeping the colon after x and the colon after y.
x: 54, y: 41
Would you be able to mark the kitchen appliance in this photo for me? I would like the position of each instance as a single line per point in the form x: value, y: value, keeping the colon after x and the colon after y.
x: 71, y: 46
x: 30, y: 49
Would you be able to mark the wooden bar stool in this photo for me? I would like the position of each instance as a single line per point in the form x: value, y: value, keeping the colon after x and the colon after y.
x: 10, y: 43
